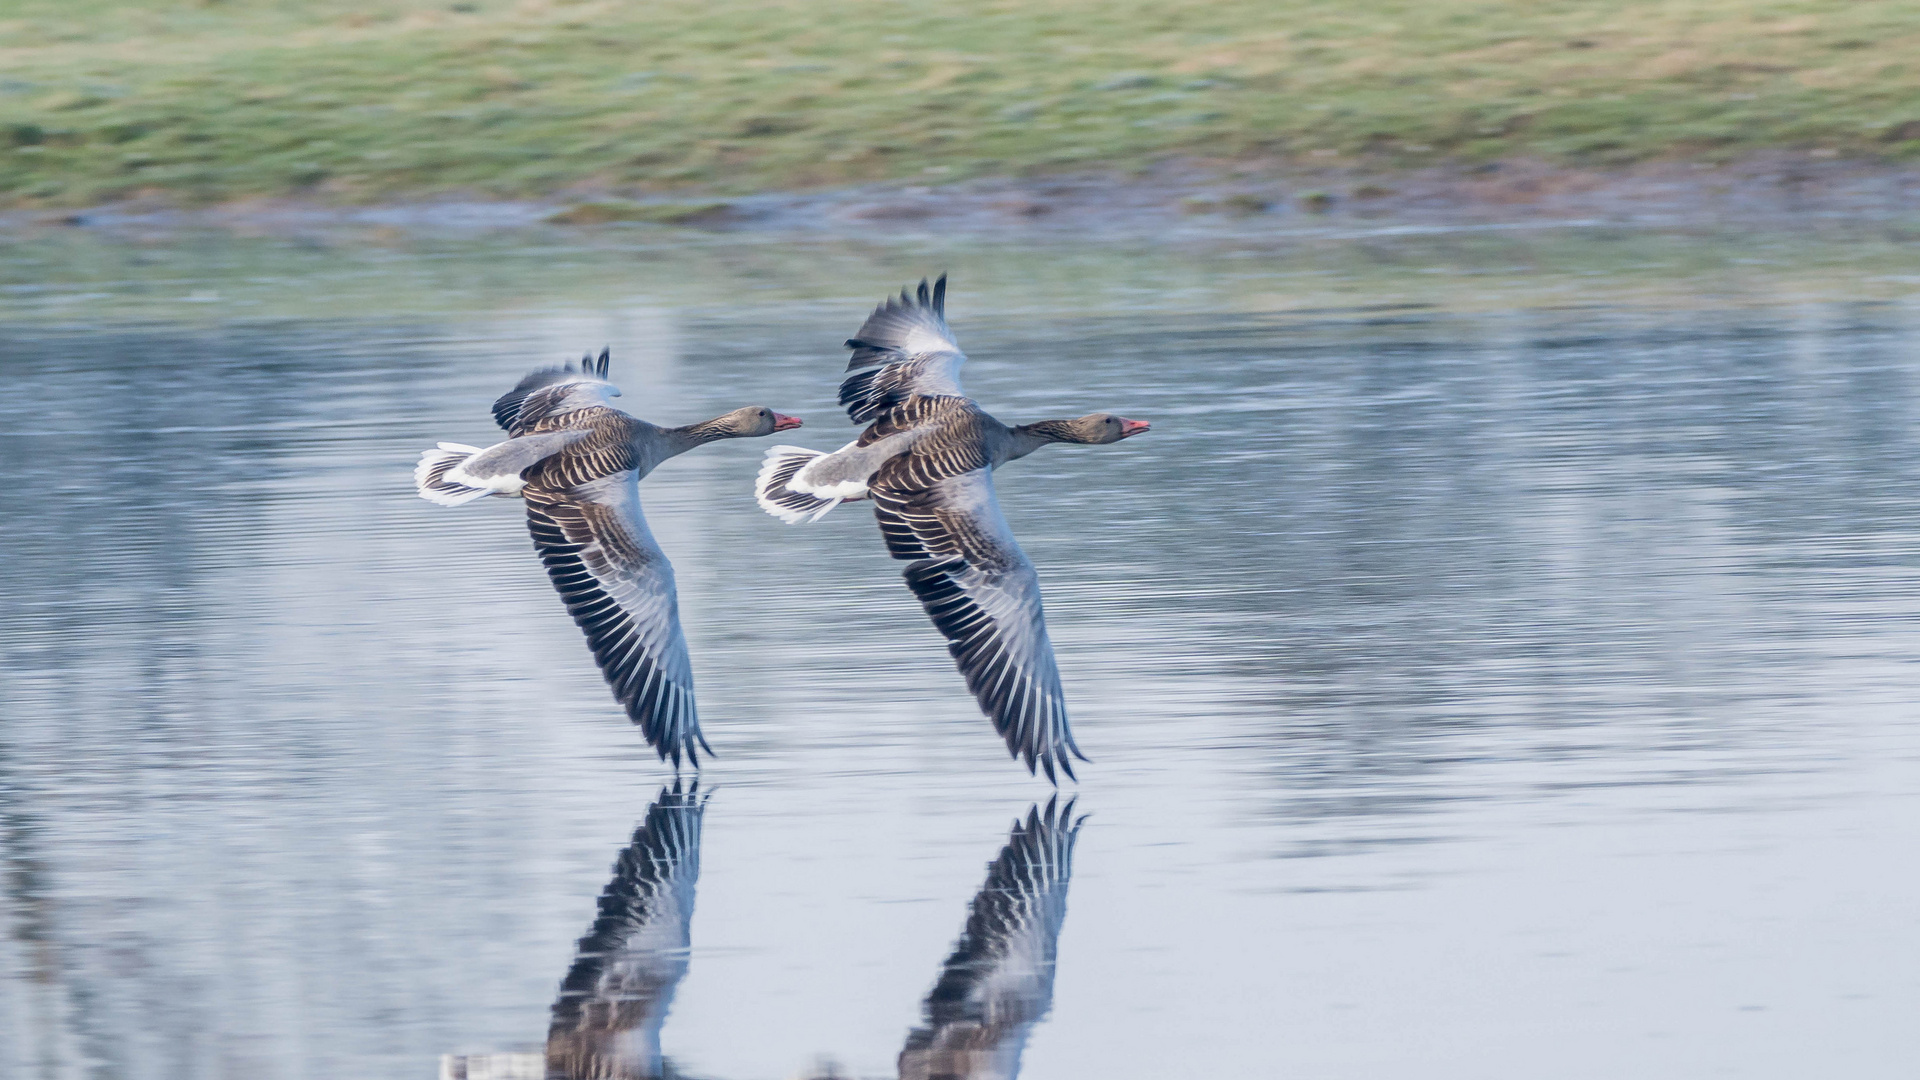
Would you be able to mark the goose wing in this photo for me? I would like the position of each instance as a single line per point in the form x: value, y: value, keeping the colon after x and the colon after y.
x: 904, y: 348
x: 618, y: 586
x: 552, y: 392
x: 981, y: 591
x: 626, y: 968
x: 998, y: 982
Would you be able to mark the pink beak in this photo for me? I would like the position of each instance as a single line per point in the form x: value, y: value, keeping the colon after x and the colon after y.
x: 783, y: 422
x: 1132, y: 427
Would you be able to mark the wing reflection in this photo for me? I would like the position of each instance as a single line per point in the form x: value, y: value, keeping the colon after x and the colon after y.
x: 994, y: 987
x: 999, y: 981
x: 606, y: 1021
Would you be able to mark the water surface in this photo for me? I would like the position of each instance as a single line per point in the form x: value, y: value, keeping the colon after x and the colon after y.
x: 1497, y: 661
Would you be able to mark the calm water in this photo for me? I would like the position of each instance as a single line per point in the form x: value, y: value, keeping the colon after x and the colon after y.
x: 1498, y: 661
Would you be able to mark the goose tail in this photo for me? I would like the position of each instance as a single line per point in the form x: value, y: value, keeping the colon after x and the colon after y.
x: 774, y: 495
x: 430, y: 476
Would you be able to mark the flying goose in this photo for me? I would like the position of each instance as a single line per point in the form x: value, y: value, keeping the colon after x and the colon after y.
x: 577, y: 461
x: 614, y: 998
x: 926, y: 460
x: 998, y: 982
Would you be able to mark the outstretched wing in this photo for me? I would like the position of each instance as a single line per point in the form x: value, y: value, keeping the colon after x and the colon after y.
x: 903, y: 349
x: 999, y: 980
x: 618, y: 586
x: 607, y: 1018
x: 554, y: 391
x: 983, y: 594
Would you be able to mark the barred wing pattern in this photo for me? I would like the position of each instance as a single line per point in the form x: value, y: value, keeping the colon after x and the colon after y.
x: 998, y: 982
x: 618, y: 586
x: 552, y: 392
x: 983, y: 594
x: 614, y: 999
x: 904, y: 348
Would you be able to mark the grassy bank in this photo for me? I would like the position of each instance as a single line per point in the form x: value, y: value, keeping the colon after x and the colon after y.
x: 207, y: 100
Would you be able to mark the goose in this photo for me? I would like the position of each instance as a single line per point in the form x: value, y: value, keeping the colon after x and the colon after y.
x: 614, y: 999
x: 577, y: 461
x: 998, y: 982
x: 926, y: 460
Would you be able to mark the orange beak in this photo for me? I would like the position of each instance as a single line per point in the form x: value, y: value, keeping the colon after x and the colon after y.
x: 782, y: 422
x: 1129, y: 428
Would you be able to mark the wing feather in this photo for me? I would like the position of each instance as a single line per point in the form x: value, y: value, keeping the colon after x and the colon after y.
x: 552, y: 392
x: 903, y: 349
x: 618, y: 586
x: 983, y: 595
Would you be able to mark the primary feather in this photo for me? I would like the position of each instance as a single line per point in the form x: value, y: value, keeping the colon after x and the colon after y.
x: 904, y: 348
x: 578, y: 461
x: 926, y: 459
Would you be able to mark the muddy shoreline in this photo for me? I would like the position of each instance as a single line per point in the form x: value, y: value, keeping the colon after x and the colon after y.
x: 1187, y: 198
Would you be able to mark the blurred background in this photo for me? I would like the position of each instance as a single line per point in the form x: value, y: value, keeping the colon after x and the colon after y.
x: 200, y: 101
x: 1497, y: 661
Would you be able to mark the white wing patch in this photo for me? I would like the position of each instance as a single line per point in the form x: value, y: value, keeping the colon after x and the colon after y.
x: 924, y: 339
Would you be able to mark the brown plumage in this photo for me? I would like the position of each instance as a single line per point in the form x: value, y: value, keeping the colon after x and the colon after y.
x: 926, y: 459
x: 578, y: 462
x: 606, y: 447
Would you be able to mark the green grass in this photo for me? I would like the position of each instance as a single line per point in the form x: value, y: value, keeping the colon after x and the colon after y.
x: 208, y: 100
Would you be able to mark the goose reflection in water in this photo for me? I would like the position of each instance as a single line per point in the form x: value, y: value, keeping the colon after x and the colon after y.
x: 606, y: 1021
x: 999, y: 981
x: 994, y: 987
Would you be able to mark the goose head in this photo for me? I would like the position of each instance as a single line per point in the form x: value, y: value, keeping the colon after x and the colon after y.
x: 1092, y: 429
x: 750, y: 422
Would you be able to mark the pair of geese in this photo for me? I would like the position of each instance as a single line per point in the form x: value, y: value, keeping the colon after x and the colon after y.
x: 925, y: 460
